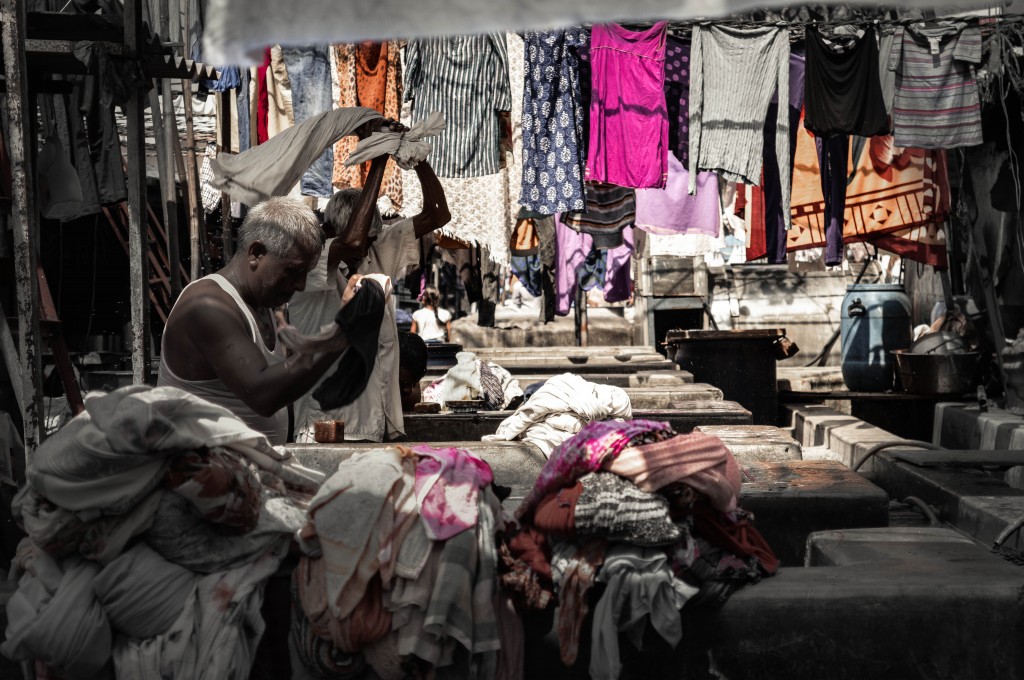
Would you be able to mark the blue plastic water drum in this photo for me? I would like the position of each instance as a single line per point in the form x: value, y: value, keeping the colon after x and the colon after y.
x: 875, y: 321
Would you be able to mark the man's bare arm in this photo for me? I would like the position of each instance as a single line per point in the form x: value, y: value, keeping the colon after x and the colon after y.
x: 225, y: 340
x: 435, y: 213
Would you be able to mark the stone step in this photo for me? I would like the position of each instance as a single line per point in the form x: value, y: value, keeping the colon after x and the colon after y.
x: 891, y: 545
x: 763, y: 443
x: 968, y: 426
x: 809, y: 378
x: 495, y: 353
x: 909, y: 619
x: 666, y: 397
x: 473, y: 426
x: 638, y: 379
x: 791, y: 500
x: 528, y: 365
x: 977, y: 502
x: 847, y: 437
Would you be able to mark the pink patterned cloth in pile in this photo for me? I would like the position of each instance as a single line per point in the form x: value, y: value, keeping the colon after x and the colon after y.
x: 448, y: 483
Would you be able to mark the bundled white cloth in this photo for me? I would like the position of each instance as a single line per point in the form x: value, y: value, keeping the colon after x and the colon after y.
x: 559, y: 409
x: 407, y: 148
x: 472, y: 378
x: 141, y: 593
x: 215, y: 636
x: 54, y: 617
x: 116, y: 452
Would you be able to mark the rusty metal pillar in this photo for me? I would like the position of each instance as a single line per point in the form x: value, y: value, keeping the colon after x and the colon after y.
x: 24, y: 220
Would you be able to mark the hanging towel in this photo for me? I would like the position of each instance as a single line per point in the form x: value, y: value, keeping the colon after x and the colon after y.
x: 273, y: 167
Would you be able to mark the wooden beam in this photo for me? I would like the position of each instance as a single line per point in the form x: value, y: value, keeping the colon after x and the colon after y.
x: 227, y: 226
x: 170, y: 142
x: 138, y: 243
x: 196, y: 217
x: 9, y: 350
x: 24, y: 220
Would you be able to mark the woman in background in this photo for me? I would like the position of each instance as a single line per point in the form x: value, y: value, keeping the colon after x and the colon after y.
x: 431, y: 322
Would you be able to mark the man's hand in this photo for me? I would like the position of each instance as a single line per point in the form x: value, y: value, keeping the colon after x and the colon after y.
x: 350, y: 289
x: 379, y: 125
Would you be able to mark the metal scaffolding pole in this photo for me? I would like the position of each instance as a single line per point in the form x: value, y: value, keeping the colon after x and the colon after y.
x: 24, y: 220
x: 138, y: 245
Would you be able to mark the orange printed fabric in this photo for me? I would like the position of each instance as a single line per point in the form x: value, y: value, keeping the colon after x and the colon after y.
x: 897, y: 198
x: 370, y: 75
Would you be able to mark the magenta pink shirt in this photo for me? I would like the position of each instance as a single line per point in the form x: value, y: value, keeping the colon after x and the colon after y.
x: 628, y: 116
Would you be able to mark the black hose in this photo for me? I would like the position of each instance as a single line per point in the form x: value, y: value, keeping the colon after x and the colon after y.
x: 1008, y: 531
x: 881, y: 446
x: 925, y: 508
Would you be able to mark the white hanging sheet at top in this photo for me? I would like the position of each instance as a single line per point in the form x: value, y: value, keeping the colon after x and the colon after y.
x: 237, y: 31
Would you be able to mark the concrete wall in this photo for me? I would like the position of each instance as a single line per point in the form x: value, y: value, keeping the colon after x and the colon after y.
x: 807, y: 304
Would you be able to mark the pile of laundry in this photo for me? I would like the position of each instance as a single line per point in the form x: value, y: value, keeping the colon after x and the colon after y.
x: 474, y: 379
x: 154, y: 520
x: 399, y: 570
x: 559, y: 408
x: 637, y: 523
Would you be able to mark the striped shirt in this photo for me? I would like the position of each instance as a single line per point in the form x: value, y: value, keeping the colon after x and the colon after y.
x: 936, y: 104
x: 733, y: 74
x: 465, y: 78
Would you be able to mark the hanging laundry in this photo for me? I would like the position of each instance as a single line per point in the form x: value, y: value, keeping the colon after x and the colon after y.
x: 887, y: 79
x: 273, y: 167
x: 768, y: 224
x: 833, y: 158
x: 677, y: 97
x: 554, y: 148
x: 628, y: 116
x: 280, y: 114
x: 369, y: 74
x: 262, y: 98
x: 467, y: 79
x: 309, y: 73
x: 936, y: 104
x: 897, y: 196
x: 484, y: 210
x: 573, y: 250
x: 610, y: 209
x: 673, y: 210
x: 843, y: 90
x: 733, y: 75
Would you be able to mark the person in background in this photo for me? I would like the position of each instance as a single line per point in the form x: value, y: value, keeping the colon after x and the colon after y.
x: 359, y: 243
x: 432, y: 322
x: 412, y: 366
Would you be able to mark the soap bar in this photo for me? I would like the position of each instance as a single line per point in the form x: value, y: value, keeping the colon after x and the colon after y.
x: 329, y: 431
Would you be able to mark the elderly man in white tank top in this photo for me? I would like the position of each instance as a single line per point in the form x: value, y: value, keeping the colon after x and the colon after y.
x: 219, y: 342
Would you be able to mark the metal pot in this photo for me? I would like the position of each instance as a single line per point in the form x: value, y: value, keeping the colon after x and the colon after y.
x: 937, y: 373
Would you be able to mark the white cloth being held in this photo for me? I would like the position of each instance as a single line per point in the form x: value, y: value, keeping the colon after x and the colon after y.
x: 559, y: 409
x: 407, y: 148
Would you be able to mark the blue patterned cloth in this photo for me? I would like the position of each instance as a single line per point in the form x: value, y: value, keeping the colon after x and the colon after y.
x: 554, y: 147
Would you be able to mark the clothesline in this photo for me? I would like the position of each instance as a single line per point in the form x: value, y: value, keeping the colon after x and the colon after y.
x: 682, y: 28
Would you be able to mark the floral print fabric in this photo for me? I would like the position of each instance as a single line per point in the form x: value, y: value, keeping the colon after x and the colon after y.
x: 554, y: 154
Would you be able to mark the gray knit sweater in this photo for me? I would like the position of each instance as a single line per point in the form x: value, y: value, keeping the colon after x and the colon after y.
x: 733, y: 74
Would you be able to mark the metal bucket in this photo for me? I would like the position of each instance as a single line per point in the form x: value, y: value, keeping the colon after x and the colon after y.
x: 937, y: 373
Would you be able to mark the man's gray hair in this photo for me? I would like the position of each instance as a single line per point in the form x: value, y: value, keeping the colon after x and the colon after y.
x: 339, y: 209
x: 281, y: 223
